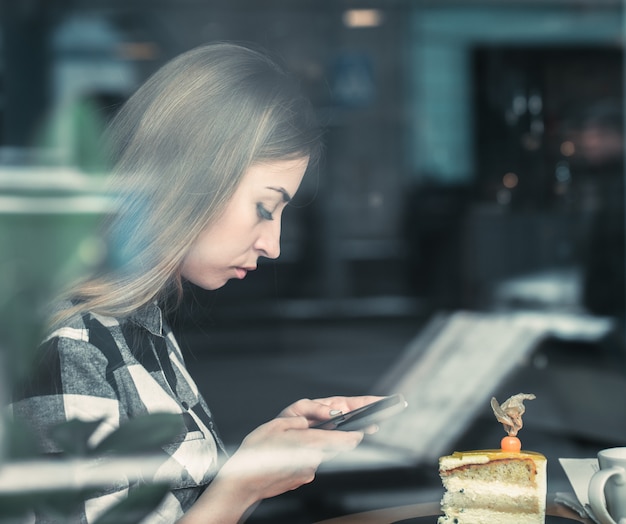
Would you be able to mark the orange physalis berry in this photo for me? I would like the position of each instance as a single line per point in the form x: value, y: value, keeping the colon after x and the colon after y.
x: 509, y: 443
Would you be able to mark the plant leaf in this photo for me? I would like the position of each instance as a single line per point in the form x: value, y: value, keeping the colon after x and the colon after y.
x: 141, y: 501
x: 16, y: 505
x: 142, y: 434
x: 58, y: 504
x: 20, y: 442
x: 73, y: 436
x: 64, y: 503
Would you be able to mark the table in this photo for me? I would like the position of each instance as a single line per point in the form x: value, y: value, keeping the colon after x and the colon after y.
x: 426, y: 509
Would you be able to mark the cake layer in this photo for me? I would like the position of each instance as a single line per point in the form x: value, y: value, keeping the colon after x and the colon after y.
x: 464, y: 458
x: 478, y: 516
x: 492, y: 496
x: 520, y: 472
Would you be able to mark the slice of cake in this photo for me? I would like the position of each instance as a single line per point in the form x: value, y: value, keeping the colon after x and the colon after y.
x: 496, y: 486
x: 493, y: 486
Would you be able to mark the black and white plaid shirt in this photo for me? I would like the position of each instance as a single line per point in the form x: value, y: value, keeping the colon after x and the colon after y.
x: 97, y: 367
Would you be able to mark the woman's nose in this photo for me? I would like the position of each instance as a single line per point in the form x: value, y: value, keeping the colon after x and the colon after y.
x: 268, y: 243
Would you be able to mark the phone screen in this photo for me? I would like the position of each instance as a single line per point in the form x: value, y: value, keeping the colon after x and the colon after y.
x: 365, y: 416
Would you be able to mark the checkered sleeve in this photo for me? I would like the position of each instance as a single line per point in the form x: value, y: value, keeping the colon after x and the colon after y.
x: 101, y: 368
x: 71, y: 379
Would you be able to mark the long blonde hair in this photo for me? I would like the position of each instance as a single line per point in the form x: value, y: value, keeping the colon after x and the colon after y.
x: 182, y: 143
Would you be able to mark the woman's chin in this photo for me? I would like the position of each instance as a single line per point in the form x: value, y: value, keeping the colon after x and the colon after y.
x: 210, y: 285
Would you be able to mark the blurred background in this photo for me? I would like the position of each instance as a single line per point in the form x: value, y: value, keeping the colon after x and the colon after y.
x: 474, y: 165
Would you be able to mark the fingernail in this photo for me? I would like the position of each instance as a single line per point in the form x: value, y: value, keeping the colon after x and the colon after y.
x: 335, y: 412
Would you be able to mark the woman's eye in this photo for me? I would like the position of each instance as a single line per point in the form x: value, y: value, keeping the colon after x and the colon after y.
x: 263, y: 213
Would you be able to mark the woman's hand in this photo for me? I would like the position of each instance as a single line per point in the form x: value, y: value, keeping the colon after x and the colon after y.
x: 321, y: 409
x: 278, y: 456
x: 285, y: 453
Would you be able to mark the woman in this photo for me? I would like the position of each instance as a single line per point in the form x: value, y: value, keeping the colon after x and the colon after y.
x: 208, y: 154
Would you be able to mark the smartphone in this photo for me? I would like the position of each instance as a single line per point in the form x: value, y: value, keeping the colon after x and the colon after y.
x: 366, y: 415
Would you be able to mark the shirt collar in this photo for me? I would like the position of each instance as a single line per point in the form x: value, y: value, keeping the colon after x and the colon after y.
x: 149, y: 317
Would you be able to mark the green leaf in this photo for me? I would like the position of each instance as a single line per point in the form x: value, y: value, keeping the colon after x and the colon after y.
x: 142, y: 434
x: 57, y: 505
x: 73, y: 436
x: 141, y: 501
x: 64, y: 503
x: 20, y: 442
x: 16, y: 505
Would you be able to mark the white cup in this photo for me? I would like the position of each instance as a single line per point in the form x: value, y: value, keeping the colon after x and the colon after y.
x: 607, y: 489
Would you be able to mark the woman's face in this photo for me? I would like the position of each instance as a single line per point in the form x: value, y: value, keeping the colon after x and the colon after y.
x: 248, y: 228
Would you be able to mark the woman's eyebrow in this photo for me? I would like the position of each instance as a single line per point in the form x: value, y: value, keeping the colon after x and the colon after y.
x: 282, y: 191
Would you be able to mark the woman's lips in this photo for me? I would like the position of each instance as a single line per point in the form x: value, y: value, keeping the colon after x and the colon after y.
x: 241, y: 272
